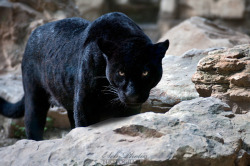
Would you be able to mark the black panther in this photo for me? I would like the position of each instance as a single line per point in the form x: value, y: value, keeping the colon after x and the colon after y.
x: 105, y: 68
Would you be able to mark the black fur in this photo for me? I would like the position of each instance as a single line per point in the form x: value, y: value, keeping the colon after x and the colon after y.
x: 93, y: 69
x: 12, y: 110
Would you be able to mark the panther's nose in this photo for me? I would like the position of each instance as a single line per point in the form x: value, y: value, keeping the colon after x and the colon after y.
x: 131, y: 94
x: 131, y: 98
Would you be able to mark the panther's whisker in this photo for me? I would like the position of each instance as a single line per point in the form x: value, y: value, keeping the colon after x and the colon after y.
x: 110, y: 91
x: 115, y: 100
x: 100, y: 77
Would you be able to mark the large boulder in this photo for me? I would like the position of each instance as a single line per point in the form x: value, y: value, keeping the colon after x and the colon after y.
x: 226, y: 74
x: 193, y: 133
x: 201, y: 33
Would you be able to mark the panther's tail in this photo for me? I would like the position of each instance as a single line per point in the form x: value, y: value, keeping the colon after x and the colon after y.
x: 10, y: 110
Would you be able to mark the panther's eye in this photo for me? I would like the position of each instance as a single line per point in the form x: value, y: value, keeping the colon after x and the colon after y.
x: 145, y: 73
x: 121, y: 73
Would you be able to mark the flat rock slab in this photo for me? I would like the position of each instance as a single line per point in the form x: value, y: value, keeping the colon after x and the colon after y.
x: 196, y: 132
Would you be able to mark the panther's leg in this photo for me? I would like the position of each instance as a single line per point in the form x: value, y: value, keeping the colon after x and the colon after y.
x: 86, y: 110
x: 71, y: 118
x: 36, y: 108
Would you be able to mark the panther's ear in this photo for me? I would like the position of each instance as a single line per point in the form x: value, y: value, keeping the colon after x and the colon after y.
x: 161, y: 48
x: 107, y: 47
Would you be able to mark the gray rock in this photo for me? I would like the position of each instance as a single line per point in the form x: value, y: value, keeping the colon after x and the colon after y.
x: 175, y: 85
x: 193, y: 133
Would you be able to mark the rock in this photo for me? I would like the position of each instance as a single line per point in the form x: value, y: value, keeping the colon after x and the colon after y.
x: 175, y: 85
x: 193, y: 133
x: 11, y: 87
x: 226, y: 74
x: 6, y: 141
x: 201, y: 33
x: 59, y: 118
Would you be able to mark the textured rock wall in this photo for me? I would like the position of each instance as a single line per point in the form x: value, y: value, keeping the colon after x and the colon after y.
x: 198, y: 132
x: 225, y: 74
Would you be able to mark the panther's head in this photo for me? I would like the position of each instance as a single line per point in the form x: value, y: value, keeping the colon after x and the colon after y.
x: 133, y: 68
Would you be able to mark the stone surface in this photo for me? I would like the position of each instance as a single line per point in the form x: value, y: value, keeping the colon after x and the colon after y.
x: 175, y: 85
x: 193, y: 133
x: 226, y: 74
x: 201, y: 33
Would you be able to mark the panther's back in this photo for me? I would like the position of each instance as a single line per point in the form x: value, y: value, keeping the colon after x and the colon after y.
x: 51, y: 55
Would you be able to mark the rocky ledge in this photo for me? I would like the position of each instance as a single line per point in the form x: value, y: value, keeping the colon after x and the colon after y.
x: 225, y: 74
x: 197, y: 132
